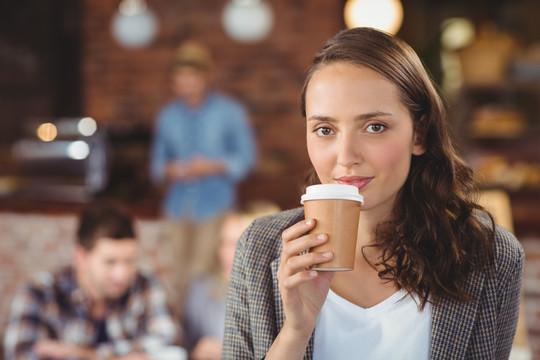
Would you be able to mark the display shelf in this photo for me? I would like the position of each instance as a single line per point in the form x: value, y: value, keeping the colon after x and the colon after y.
x: 498, y: 128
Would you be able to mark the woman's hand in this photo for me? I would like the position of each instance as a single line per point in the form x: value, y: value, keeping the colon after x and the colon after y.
x: 303, y: 291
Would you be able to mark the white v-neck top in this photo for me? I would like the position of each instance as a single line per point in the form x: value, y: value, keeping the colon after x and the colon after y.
x: 393, y: 329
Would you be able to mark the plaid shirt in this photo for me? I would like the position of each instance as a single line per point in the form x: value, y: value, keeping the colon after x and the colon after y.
x: 53, y: 306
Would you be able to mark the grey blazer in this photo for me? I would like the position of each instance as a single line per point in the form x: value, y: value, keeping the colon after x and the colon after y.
x: 482, y: 329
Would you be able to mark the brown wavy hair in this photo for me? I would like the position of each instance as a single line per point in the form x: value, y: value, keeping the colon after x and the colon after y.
x: 436, y: 235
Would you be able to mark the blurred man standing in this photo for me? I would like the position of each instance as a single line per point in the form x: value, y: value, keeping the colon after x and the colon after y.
x: 100, y: 307
x: 203, y: 146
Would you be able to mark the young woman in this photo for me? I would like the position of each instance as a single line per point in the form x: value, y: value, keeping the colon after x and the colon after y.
x: 434, y: 278
x: 204, y: 311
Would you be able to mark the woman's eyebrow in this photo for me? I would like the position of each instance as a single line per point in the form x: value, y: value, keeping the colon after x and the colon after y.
x: 361, y: 117
x: 372, y: 115
x: 320, y: 118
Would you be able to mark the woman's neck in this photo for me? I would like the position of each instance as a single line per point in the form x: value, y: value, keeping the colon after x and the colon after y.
x: 367, y: 227
x: 362, y: 285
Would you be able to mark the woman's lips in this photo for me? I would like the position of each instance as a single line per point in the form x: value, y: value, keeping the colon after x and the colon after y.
x: 358, y: 181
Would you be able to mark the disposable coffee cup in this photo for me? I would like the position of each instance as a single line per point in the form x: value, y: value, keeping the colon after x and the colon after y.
x: 336, y: 209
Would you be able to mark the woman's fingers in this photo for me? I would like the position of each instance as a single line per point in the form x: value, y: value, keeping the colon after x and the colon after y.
x: 295, y: 240
x: 294, y: 258
x: 297, y: 246
x: 299, y: 268
x: 297, y: 230
x: 305, y: 261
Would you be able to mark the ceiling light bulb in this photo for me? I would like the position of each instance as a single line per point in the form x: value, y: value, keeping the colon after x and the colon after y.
x: 87, y: 126
x: 247, y: 20
x: 386, y: 15
x: 134, y: 25
x: 457, y: 33
x: 47, y: 132
x: 78, y: 150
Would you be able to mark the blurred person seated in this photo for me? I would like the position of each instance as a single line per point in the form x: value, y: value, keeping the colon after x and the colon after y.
x: 204, y: 312
x: 99, y: 307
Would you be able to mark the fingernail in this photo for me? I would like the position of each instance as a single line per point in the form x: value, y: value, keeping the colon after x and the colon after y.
x: 321, y: 237
x: 309, y: 222
x: 312, y: 273
x: 326, y: 254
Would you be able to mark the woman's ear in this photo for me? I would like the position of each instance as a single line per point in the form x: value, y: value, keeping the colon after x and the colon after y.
x: 419, y: 146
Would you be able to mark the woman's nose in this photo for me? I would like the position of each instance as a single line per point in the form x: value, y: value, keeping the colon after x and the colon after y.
x: 348, y: 151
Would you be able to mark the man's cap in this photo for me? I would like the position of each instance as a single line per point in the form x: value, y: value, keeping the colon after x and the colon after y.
x: 192, y: 54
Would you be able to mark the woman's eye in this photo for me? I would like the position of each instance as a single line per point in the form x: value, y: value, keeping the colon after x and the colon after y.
x: 324, y: 131
x: 376, y: 128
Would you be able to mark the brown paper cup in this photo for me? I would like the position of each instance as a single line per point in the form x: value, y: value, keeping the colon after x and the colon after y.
x: 337, y: 211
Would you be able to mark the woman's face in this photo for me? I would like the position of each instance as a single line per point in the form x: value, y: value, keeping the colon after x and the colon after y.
x: 359, y: 132
x: 231, y: 230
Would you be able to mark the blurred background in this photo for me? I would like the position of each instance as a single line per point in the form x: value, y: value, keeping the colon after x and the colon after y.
x: 81, y: 82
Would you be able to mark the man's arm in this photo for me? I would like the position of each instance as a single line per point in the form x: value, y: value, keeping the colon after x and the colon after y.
x: 25, y: 325
x: 241, y: 153
x: 158, y: 152
x: 155, y: 326
x: 58, y: 350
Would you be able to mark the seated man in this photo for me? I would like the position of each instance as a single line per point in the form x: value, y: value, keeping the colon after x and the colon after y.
x: 101, y: 307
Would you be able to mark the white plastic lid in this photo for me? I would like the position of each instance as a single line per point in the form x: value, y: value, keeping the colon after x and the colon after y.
x: 332, y: 191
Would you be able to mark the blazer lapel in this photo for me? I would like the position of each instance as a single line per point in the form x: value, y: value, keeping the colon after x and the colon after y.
x: 453, y: 322
x: 278, y: 304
